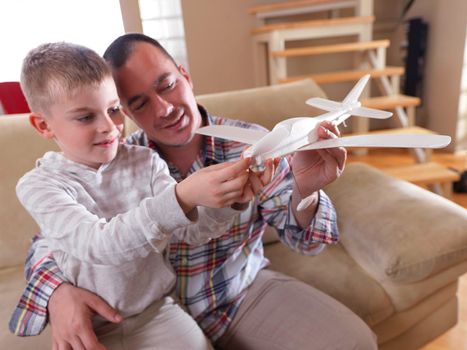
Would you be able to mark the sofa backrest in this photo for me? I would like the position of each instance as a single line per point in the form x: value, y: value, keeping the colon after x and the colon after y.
x: 20, y: 147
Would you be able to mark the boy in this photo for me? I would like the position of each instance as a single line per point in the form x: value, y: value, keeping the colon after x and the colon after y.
x: 94, y: 202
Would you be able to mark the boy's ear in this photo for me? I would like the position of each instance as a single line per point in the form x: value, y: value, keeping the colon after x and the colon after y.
x: 40, y: 124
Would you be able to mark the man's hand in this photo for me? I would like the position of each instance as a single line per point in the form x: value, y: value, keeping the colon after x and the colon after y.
x: 315, y: 169
x: 70, y: 311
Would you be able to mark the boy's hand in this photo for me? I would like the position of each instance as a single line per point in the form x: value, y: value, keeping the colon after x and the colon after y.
x: 216, y: 186
x: 256, y: 182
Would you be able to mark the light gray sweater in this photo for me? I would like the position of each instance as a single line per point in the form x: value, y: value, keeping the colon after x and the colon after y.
x: 108, y: 228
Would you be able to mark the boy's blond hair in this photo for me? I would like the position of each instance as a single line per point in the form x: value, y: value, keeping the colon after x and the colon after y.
x: 54, y: 70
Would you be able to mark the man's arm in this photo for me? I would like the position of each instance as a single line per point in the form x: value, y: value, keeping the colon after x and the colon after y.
x: 43, y: 276
x: 304, y: 231
x: 48, y: 296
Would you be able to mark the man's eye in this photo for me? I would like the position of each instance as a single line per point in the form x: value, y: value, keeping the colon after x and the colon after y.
x: 169, y: 85
x: 140, y: 105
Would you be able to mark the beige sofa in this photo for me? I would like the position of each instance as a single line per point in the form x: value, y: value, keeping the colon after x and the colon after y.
x: 401, y: 253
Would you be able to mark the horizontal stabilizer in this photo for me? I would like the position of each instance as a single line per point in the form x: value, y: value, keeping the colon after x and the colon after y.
x: 370, y: 113
x: 233, y: 133
x: 395, y: 141
x: 324, y: 104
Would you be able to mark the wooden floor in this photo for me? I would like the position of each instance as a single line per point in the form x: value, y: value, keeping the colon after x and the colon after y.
x: 456, y: 337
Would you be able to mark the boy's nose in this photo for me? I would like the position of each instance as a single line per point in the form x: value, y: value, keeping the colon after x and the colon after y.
x: 106, y: 124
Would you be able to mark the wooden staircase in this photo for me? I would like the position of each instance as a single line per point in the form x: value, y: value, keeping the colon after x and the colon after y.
x: 277, y: 26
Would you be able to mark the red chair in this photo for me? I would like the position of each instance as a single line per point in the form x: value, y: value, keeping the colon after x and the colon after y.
x: 12, y: 100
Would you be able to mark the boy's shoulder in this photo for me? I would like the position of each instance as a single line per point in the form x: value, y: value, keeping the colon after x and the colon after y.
x: 46, y: 169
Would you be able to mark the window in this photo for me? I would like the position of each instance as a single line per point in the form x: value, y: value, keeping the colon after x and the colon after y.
x: 24, y: 24
x: 163, y: 21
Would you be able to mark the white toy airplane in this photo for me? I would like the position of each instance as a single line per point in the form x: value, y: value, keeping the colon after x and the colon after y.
x: 299, y: 134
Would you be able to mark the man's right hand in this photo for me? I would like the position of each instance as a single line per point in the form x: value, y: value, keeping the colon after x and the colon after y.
x: 70, y: 311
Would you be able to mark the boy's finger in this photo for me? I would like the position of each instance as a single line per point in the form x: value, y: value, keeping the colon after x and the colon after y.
x: 234, y: 183
x: 234, y: 169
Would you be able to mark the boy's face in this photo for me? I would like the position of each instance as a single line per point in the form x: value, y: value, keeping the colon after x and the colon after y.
x: 158, y: 96
x: 87, y: 124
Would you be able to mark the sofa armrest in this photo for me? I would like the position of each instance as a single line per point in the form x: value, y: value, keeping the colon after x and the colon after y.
x: 396, y: 231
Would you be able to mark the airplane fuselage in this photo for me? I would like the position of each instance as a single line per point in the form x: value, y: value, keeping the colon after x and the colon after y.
x: 291, y: 134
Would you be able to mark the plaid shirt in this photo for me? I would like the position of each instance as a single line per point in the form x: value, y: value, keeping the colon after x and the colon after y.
x: 212, y: 279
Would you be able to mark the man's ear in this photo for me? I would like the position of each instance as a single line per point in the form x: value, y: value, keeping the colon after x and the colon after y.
x: 183, y: 71
x: 40, y: 124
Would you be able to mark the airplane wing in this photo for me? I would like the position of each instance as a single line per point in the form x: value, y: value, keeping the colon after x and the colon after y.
x: 395, y: 141
x: 324, y: 104
x: 233, y: 133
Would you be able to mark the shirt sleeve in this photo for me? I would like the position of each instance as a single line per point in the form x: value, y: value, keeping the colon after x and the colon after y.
x: 30, y: 315
x: 275, y: 207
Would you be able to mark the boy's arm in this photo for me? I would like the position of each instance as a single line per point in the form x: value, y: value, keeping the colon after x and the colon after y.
x: 215, y: 189
x: 70, y: 227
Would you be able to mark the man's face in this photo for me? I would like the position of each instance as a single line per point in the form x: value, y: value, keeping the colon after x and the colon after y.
x: 158, y: 96
x: 87, y: 124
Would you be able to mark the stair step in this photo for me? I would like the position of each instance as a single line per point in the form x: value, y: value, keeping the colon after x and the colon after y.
x: 299, y: 7
x: 351, y: 75
x: 423, y: 174
x: 293, y: 5
x: 314, y: 23
x: 325, y: 49
x: 391, y: 102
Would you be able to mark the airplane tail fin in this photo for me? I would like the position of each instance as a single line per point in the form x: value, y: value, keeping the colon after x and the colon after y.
x: 357, y: 90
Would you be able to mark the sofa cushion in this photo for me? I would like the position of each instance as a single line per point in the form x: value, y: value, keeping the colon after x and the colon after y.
x: 401, y: 243
x: 335, y: 273
x: 27, y: 146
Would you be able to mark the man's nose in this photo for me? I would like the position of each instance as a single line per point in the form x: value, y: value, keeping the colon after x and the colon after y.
x: 163, y: 108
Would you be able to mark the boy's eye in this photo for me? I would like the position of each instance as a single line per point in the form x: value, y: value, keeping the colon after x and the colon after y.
x: 114, y: 110
x: 86, y: 118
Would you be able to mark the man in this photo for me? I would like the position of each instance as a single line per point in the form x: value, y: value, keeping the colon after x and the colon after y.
x: 237, y: 303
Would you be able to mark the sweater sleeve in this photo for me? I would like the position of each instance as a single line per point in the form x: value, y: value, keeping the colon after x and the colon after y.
x: 72, y: 228
x: 207, y: 223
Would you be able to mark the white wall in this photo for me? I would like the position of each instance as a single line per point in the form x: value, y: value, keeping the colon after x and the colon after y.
x: 444, y: 62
